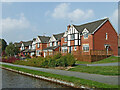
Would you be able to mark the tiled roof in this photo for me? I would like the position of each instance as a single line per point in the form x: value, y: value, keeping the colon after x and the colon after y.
x: 27, y: 43
x: 44, y: 39
x: 17, y: 44
x: 58, y: 36
x: 51, y: 48
x: 91, y: 27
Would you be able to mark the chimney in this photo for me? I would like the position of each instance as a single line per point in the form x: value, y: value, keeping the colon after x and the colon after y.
x: 68, y: 27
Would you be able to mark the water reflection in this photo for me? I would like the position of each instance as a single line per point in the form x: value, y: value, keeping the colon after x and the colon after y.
x: 15, y: 80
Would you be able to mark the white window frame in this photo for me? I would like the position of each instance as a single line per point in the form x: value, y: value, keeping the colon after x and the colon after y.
x: 75, y: 48
x: 72, y: 36
x: 51, y: 44
x: 38, y: 45
x: 106, y: 36
x: 64, y: 49
x: 85, y: 47
x: 85, y: 34
x: 65, y: 39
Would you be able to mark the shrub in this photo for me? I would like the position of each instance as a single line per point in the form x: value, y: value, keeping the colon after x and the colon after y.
x: 70, y: 60
x: 27, y: 56
x: 57, y: 56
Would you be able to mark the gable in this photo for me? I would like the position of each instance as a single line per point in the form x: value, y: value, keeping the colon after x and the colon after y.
x: 38, y: 40
x: 72, y: 30
x: 85, y: 31
x: 65, y: 34
x: 52, y: 39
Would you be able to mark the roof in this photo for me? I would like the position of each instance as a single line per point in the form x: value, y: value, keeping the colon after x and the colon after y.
x: 58, y: 36
x: 17, y: 44
x: 34, y: 39
x: 27, y: 43
x: 27, y: 50
x: 51, y: 48
x: 91, y: 27
x: 44, y: 39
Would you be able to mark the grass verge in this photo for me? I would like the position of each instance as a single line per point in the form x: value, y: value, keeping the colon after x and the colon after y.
x: 111, y: 59
x: 76, y: 81
x: 103, y: 70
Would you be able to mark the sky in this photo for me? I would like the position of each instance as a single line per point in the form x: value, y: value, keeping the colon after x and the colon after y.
x: 23, y: 21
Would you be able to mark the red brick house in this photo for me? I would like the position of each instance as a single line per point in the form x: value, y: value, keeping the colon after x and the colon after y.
x: 119, y: 45
x: 25, y: 48
x: 54, y: 44
x: 41, y: 43
x: 97, y: 35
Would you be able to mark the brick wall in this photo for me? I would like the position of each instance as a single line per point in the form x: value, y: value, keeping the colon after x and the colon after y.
x: 100, y: 40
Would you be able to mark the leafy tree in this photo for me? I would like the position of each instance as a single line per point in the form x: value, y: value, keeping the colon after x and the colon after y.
x: 11, y: 50
x: 3, y: 44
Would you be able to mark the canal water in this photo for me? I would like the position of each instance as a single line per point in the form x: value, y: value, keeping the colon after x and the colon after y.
x: 15, y: 80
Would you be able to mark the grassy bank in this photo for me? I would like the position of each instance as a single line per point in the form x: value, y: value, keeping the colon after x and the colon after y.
x: 76, y: 81
x: 103, y: 70
x: 111, y: 59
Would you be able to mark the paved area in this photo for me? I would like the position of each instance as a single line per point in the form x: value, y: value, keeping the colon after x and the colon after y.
x: 99, y: 78
x: 103, y: 64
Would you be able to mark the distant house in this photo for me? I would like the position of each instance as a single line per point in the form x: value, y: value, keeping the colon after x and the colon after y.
x: 54, y: 44
x: 41, y: 43
x: 97, y: 35
x: 33, y: 48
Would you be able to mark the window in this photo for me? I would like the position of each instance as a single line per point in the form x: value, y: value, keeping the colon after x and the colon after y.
x: 65, y: 39
x: 38, y: 52
x: 64, y: 49
x: 106, y: 37
x: 86, y: 47
x: 51, y: 44
x: 55, y: 43
x: 75, y: 48
x: 38, y: 45
x: 85, y: 35
x: 72, y: 37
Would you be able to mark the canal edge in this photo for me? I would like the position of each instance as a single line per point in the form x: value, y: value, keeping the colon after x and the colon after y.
x: 47, y: 79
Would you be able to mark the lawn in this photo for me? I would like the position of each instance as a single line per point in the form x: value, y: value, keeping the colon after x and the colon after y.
x: 111, y: 59
x: 76, y: 81
x: 103, y: 70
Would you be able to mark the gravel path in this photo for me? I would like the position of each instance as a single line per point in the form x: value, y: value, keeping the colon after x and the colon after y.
x: 113, y: 80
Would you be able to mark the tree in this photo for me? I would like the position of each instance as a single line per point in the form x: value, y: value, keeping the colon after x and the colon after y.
x: 11, y: 50
x: 3, y: 44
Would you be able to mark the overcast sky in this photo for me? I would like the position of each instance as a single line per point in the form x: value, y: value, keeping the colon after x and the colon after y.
x: 24, y: 21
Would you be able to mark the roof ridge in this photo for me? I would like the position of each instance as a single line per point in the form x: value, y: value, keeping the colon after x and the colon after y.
x: 92, y: 21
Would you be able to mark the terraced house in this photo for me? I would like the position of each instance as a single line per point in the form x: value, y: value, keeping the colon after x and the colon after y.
x: 96, y: 35
x: 41, y: 44
x: 54, y: 44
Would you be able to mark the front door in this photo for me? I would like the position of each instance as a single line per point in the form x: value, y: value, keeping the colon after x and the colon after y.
x: 70, y: 49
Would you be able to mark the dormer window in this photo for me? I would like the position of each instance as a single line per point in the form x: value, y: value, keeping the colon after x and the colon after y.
x: 85, y: 35
x: 38, y: 45
x: 65, y: 39
x: 51, y: 44
x: 106, y: 36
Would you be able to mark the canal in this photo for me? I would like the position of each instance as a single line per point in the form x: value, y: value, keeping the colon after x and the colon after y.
x: 15, y: 80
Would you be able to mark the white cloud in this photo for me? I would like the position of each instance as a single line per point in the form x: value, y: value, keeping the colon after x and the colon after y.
x: 9, y: 24
x: 63, y: 11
